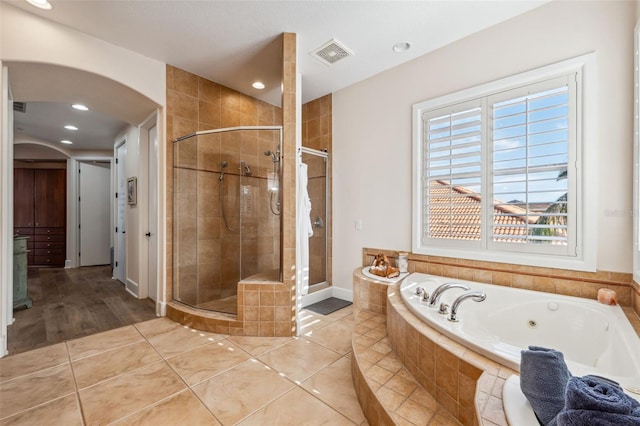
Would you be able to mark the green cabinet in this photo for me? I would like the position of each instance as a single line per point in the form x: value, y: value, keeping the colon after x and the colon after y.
x: 20, y: 251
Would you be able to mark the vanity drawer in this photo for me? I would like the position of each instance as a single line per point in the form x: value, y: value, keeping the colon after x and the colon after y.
x: 23, y: 231
x: 48, y: 244
x: 40, y: 238
x: 48, y: 252
x: 53, y: 260
x: 49, y: 231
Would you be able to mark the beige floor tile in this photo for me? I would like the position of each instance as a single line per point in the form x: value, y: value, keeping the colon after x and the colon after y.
x: 337, y: 337
x: 183, y: 408
x: 312, y: 321
x: 103, y: 366
x: 297, y: 407
x: 62, y: 411
x: 96, y: 343
x: 156, y: 326
x: 341, y: 313
x: 256, y: 346
x: 181, y: 339
x: 334, y: 386
x: 236, y: 393
x: 29, y: 362
x: 126, y: 394
x: 299, y: 359
x: 25, y: 392
x: 207, y: 361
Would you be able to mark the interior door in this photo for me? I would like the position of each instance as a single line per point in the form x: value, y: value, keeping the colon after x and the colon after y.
x: 119, y: 270
x: 94, y: 213
x: 152, y: 234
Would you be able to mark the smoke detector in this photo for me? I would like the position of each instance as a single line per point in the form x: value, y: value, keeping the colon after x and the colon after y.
x: 331, y: 52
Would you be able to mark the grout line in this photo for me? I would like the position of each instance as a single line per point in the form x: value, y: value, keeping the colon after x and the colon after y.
x: 75, y: 385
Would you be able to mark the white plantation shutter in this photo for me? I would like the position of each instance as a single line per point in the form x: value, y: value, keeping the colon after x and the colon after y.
x: 452, y: 183
x: 496, y: 171
x: 531, y: 142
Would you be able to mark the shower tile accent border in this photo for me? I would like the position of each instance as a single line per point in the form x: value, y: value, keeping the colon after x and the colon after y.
x: 549, y: 280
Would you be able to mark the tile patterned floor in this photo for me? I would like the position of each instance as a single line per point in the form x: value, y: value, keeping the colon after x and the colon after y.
x: 158, y: 372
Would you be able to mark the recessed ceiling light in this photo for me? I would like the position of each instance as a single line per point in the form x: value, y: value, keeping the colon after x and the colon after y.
x: 80, y: 107
x: 401, y: 47
x: 258, y: 85
x: 42, y: 4
x: 70, y: 127
x: 66, y: 142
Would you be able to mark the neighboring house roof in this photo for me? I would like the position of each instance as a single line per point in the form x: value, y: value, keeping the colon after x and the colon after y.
x: 462, y: 222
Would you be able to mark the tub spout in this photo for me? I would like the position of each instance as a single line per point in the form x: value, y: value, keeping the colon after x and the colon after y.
x: 435, y: 296
x: 476, y: 296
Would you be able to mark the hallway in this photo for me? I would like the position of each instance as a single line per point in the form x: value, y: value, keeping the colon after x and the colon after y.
x: 72, y: 303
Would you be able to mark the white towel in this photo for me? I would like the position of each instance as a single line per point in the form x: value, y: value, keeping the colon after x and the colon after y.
x: 304, y: 226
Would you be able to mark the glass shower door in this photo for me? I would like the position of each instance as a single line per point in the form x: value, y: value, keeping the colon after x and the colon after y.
x: 317, y: 189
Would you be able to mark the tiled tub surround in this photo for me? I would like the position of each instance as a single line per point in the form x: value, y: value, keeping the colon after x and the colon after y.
x: 549, y: 280
x: 467, y: 384
x: 453, y: 382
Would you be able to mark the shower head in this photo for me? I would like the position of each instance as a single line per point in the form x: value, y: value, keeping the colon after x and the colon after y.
x: 275, y: 156
x: 223, y: 164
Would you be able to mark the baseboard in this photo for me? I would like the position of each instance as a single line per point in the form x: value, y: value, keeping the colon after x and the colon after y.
x: 316, y: 296
x: 161, y: 309
x: 343, y: 293
x: 132, y: 287
x: 325, y: 293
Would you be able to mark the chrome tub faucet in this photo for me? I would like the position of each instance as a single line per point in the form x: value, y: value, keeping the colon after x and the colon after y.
x: 476, y: 296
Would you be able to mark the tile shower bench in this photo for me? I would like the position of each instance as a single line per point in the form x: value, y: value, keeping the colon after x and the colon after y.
x: 407, y: 373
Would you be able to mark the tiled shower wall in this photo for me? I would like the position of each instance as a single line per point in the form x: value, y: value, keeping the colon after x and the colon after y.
x: 317, y: 134
x: 207, y: 243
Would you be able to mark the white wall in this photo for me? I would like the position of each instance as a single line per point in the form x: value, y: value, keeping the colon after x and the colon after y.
x: 372, y: 123
x: 29, y: 38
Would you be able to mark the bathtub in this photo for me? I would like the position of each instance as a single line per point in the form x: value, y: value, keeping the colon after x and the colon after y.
x: 594, y: 338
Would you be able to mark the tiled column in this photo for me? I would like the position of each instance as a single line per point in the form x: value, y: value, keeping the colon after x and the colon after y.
x: 289, y: 76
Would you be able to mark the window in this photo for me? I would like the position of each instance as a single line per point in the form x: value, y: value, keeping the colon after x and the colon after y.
x: 499, y: 171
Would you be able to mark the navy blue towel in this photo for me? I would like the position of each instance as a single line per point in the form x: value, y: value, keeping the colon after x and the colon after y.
x: 543, y: 378
x: 592, y: 401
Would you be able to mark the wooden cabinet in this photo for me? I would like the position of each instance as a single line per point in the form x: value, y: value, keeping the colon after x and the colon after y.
x: 40, y: 213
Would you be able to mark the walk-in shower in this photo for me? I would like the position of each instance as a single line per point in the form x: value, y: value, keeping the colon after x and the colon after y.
x: 226, y: 222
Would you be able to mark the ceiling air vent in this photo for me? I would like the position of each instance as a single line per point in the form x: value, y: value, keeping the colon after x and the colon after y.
x: 20, y: 107
x: 331, y: 52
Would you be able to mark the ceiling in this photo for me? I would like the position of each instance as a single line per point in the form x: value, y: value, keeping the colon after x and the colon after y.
x: 236, y: 42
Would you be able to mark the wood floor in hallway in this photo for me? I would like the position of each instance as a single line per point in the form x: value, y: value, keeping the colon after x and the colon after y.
x: 72, y: 303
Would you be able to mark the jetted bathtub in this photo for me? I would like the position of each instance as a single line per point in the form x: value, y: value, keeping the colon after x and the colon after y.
x: 594, y: 338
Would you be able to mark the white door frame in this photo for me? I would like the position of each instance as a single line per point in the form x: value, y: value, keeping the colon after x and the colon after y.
x: 73, y: 206
x: 143, y: 198
x: 6, y: 208
x: 116, y: 247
